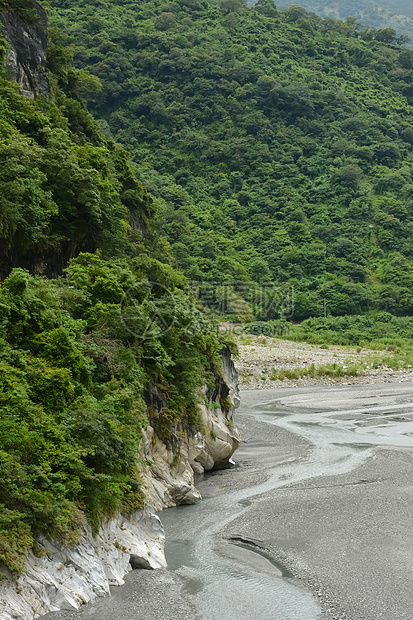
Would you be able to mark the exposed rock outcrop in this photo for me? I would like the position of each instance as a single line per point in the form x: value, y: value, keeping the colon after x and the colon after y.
x: 65, y: 577
x: 26, y: 60
x: 171, y: 463
x: 60, y: 577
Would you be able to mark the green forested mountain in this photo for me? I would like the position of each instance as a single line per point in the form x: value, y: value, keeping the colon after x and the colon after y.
x: 278, y: 146
x: 65, y: 188
x: 278, y: 143
x: 87, y: 357
x: 396, y: 14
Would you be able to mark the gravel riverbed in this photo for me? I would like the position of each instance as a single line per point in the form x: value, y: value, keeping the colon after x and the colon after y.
x: 260, y: 355
x: 345, y: 537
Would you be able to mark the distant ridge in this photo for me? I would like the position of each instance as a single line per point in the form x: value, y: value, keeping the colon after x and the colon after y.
x: 397, y: 14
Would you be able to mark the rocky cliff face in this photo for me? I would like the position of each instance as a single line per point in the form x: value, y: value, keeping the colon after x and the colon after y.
x: 26, y: 59
x: 60, y: 577
x: 65, y: 577
x: 169, y: 476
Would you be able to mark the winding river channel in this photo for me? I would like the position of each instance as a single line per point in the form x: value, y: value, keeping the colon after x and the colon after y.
x: 329, y: 445
x: 230, y: 585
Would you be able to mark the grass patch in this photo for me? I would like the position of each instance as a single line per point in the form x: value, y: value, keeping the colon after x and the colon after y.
x: 324, y: 370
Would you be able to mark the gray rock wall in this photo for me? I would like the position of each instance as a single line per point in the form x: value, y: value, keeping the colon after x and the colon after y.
x: 26, y: 58
x: 169, y: 476
x: 61, y: 577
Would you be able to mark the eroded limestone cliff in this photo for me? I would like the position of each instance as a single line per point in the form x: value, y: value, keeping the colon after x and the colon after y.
x: 26, y: 58
x: 66, y: 577
x: 171, y: 464
x: 63, y: 576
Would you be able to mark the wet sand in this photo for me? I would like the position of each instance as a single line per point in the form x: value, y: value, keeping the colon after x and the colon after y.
x: 348, y: 537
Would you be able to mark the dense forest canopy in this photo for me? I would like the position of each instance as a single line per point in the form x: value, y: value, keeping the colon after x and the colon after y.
x: 396, y: 14
x: 278, y: 143
x: 81, y: 354
x: 279, y: 148
x: 65, y: 188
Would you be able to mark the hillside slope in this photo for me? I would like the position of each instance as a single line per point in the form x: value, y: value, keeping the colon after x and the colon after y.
x: 396, y: 14
x: 278, y: 144
x: 108, y: 352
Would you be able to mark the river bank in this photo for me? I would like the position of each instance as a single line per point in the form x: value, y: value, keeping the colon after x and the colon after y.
x: 178, y: 591
x: 326, y: 496
x: 262, y: 360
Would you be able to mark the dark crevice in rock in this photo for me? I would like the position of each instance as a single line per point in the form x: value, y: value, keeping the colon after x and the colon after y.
x: 246, y: 541
x: 139, y: 563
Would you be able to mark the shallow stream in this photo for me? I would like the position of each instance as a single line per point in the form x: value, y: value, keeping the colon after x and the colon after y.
x: 231, y: 579
x: 334, y: 431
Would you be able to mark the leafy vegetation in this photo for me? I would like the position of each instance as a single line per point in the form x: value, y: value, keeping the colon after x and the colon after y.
x: 278, y: 143
x: 83, y: 354
x: 395, y: 14
x: 65, y: 188
x: 322, y: 370
x: 376, y: 330
x: 74, y: 365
